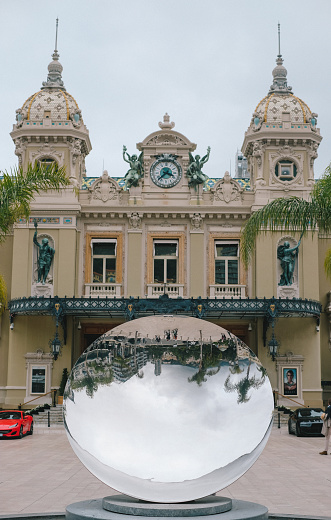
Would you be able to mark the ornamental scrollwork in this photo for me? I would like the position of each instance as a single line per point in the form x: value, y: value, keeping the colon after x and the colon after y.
x: 227, y: 189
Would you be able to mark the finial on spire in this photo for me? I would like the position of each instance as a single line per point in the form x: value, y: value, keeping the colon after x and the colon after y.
x: 166, y: 122
x: 279, y: 54
x: 56, y: 30
x: 54, y: 77
x: 279, y: 73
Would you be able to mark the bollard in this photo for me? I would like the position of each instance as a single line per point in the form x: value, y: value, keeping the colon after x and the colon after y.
x: 49, y: 418
x: 278, y: 420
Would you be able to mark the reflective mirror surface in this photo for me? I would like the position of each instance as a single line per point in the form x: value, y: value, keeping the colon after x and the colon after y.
x: 168, y: 408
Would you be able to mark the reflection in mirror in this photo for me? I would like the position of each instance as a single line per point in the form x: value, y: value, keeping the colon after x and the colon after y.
x: 168, y: 408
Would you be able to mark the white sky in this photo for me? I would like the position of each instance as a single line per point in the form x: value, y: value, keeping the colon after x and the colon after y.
x: 127, y: 62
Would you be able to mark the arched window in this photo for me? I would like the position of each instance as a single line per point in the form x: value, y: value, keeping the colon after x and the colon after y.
x: 46, y: 162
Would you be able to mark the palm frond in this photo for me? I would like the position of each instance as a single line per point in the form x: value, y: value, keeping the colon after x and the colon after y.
x: 17, y: 190
x: 291, y: 213
x: 3, y: 294
x: 327, y: 263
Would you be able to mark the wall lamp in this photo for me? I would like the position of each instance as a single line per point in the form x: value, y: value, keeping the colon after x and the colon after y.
x: 317, y: 324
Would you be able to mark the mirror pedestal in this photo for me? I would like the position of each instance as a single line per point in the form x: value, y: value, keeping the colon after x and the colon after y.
x: 122, y: 507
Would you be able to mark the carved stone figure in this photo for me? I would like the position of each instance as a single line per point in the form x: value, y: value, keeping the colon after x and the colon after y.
x: 135, y: 220
x: 287, y: 256
x: 196, y: 221
x: 44, y: 258
x: 135, y: 173
x: 194, y: 170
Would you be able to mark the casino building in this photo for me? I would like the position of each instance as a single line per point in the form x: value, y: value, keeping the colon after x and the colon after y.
x: 165, y: 245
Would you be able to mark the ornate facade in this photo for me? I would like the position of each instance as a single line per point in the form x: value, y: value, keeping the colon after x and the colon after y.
x: 164, y: 238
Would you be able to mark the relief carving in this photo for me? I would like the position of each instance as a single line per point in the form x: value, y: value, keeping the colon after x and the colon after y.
x: 227, y: 189
x: 104, y: 188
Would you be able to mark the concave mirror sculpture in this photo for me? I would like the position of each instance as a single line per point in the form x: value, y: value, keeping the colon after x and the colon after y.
x: 168, y: 408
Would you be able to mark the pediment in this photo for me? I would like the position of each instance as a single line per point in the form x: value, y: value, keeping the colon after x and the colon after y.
x: 166, y: 137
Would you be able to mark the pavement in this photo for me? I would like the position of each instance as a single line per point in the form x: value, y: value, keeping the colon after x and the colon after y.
x: 41, y: 474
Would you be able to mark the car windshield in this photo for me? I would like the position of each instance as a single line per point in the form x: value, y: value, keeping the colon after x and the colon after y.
x: 10, y: 415
x: 310, y: 412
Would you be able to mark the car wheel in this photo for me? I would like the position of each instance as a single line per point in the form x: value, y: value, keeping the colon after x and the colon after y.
x: 289, y: 428
x: 297, y: 431
x: 20, y: 435
x: 31, y: 429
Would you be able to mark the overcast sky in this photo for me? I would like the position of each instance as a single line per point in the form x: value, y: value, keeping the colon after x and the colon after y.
x: 127, y: 62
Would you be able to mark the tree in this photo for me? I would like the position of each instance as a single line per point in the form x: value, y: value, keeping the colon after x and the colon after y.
x: 17, y: 191
x: 292, y: 213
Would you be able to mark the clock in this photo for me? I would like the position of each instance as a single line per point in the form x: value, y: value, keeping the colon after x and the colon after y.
x: 166, y: 172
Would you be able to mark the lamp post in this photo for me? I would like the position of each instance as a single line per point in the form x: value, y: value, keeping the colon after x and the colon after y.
x: 56, y: 344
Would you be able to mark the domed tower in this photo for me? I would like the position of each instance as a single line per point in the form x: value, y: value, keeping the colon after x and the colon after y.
x: 281, y: 142
x: 49, y: 127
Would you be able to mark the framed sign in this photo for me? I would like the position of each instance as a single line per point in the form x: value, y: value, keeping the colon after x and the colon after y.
x: 290, y: 378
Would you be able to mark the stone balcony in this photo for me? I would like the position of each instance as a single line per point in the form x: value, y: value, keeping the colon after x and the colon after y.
x: 173, y: 290
x: 227, y: 291
x: 110, y: 290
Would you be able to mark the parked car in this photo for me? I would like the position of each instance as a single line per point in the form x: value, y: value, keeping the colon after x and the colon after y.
x: 305, y: 421
x: 15, y: 423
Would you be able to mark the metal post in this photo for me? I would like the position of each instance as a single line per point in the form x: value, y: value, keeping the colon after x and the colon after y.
x: 278, y: 420
x: 48, y: 418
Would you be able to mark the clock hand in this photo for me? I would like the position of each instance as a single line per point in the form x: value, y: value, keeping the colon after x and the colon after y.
x: 166, y: 173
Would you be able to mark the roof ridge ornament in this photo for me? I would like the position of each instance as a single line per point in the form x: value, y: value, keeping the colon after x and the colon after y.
x: 166, y: 123
x: 279, y: 74
x: 54, y: 77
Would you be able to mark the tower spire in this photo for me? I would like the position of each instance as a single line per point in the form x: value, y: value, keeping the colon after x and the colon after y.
x: 279, y: 73
x: 56, y: 31
x: 279, y: 54
x: 54, y: 77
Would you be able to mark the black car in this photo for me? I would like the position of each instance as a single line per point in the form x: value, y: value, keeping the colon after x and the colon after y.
x: 305, y: 421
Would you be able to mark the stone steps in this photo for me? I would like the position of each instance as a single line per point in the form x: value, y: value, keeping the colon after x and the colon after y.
x: 56, y: 416
x: 283, y: 418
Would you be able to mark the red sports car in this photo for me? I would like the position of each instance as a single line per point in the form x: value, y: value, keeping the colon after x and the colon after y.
x: 15, y: 423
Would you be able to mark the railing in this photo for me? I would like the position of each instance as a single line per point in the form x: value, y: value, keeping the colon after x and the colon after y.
x: 111, y: 290
x: 39, y: 397
x: 227, y: 291
x: 173, y: 290
x: 166, y: 304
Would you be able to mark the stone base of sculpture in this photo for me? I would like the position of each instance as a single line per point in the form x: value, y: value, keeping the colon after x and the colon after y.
x: 122, y: 507
x: 41, y: 290
x: 288, y: 291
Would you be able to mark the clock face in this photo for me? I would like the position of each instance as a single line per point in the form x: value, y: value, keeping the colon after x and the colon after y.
x: 166, y: 172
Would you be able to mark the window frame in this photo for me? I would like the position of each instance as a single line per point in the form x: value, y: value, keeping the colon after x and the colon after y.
x: 104, y: 258
x: 288, y: 163
x: 182, y: 245
x: 226, y: 259
x: 38, y: 367
x: 98, y: 237
x: 165, y: 259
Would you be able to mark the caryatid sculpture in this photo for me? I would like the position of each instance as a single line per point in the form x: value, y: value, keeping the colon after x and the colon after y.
x: 136, y: 171
x: 44, y: 258
x: 194, y: 170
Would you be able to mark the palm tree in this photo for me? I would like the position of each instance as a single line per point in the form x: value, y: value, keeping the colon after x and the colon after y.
x: 17, y: 190
x: 292, y: 213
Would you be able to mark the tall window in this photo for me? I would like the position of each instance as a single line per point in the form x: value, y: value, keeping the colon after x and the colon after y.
x: 103, y: 260
x: 165, y: 257
x: 226, y: 262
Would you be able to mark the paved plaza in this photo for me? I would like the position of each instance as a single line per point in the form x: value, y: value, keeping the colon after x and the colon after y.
x: 41, y: 474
